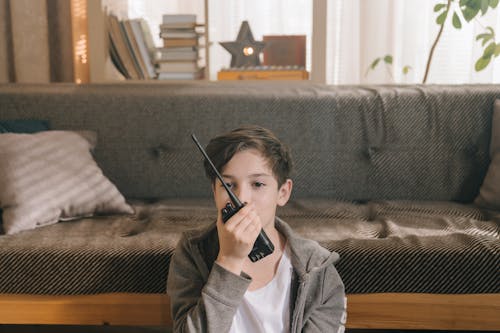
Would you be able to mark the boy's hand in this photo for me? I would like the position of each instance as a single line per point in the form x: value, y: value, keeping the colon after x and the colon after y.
x: 236, y: 237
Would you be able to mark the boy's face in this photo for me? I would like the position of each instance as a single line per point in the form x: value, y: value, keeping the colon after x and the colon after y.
x: 250, y: 177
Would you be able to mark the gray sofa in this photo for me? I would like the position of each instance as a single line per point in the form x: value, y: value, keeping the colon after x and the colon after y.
x: 384, y: 175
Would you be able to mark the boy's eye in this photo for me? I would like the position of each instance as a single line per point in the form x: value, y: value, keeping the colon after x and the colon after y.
x: 258, y: 184
x: 229, y: 185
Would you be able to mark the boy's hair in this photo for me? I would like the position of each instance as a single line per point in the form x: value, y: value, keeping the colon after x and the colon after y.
x: 223, y: 147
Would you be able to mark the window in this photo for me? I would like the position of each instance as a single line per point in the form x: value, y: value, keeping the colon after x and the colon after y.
x: 357, y: 32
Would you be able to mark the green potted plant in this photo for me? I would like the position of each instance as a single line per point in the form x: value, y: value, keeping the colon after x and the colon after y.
x: 461, y: 10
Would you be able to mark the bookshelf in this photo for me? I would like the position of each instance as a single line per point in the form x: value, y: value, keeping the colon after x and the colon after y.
x: 92, y: 62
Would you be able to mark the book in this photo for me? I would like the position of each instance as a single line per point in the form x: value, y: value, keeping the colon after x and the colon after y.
x: 148, y: 37
x: 177, y: 66
x: 186, y: 25
x: 121, y: 50
x: 135, y: 66
x: 179, y: 33
x: 178, y: 21
x: 176, y: 53
x: 176, y: 49
x: 174, y: 42
x: 284, y: 50
x: 134, y: 48
x: 144, y: 52
x: 179, y: 18
x: 181, y: 76
x: 115, y: 59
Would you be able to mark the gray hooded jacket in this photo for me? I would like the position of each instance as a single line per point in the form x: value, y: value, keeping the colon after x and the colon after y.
x: 204, y: 296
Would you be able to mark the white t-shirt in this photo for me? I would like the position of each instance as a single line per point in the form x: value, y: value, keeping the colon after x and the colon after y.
x: 267, y: 309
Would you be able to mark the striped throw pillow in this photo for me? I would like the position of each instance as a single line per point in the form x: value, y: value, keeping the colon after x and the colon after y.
x: 51, y: 176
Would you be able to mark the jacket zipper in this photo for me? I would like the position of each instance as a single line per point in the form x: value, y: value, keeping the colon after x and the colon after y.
x: 299, y: 306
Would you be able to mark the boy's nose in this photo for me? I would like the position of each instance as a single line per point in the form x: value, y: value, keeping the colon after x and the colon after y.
x: 243, y: 193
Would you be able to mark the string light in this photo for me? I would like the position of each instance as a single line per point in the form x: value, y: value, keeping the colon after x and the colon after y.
x: 80, y: 40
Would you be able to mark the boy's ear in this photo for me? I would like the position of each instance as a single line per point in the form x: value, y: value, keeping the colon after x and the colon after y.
x: 284, y: 192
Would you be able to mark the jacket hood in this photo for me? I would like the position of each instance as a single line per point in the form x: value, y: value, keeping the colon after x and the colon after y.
x: 307, y: 255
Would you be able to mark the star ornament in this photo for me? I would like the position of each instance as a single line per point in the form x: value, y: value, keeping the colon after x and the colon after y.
x: 245, y: 50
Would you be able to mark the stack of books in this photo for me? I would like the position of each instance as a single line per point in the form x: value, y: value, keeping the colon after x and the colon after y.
x: 178, y: 59
x: 131, y: 47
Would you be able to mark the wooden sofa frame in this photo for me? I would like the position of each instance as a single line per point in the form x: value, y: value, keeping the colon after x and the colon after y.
x: 365, y: 311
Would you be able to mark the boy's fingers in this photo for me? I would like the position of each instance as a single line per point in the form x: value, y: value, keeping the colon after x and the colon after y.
x: 245, y: 228
x: 251, y: 231
x: 239, y: 217
x: 250, y: 228
x: 239, y: 230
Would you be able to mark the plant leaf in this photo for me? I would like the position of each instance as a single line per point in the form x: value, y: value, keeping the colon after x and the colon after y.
x: 456, y: 21
x: 497, y: 50
x: 484, y: 6
x: 489, y: 50
x: 473, y: 4
x: 388, y: 59
x: 469, y: 13
x: 491, y: 30
x: 493, y: 3
x: 374, y: 63
x: 480, y: 36
x: 482, y: 63
x: 439, y: 6
x: 441, y: 18
x: 406, y: 69
x: 486, y: 39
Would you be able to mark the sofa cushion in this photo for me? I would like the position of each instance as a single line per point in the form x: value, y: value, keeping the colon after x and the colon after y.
x: 50, y: 176
x: 434, y: 138
x: 384, y: 246
x: 489, y: 194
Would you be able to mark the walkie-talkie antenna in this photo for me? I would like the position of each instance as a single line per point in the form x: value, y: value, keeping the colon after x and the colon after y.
x: 232, y: 196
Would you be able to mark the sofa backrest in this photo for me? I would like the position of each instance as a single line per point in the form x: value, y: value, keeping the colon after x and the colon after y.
x: 410, y: 142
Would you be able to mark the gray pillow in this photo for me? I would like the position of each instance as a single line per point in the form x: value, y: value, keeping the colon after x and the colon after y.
x: 51, y: 176
x: 489, y: 194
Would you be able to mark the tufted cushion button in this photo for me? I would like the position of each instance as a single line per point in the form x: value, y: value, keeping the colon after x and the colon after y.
x: 372, y: 150
x: 472, y: 149
x: 159, y: 150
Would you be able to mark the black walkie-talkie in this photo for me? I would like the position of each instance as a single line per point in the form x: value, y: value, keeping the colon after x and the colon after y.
x: 262, y: 246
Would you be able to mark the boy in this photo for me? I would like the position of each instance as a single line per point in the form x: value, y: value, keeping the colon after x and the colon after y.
x: 215, y: 287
